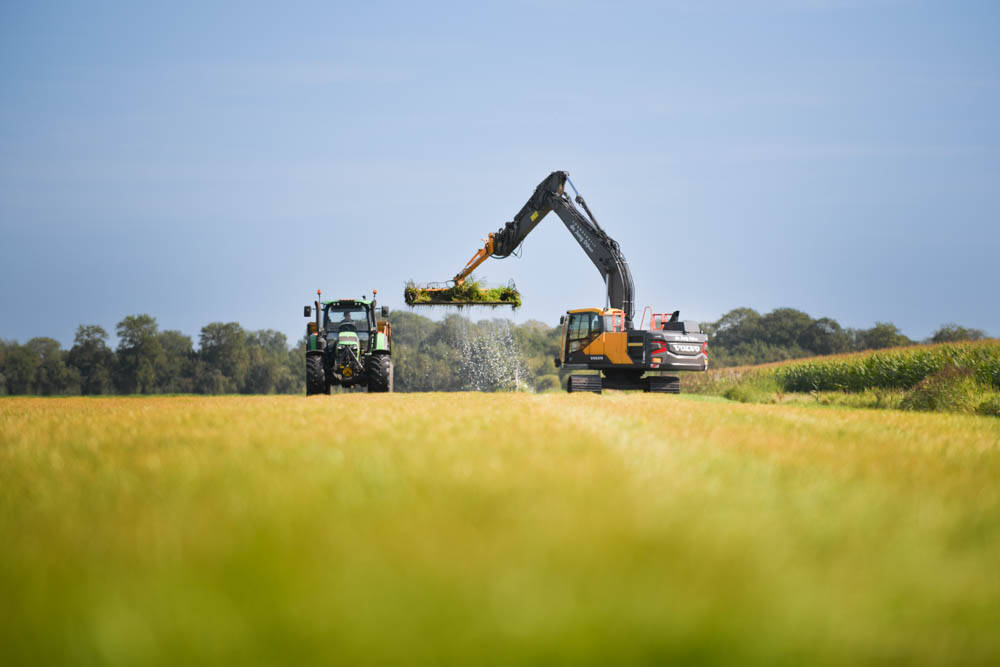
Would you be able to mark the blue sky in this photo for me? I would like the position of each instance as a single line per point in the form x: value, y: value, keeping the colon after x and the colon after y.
x: 221, y: 161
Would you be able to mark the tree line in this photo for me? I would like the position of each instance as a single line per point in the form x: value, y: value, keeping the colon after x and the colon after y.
x: 451, y: 354
x: 745, y: 337
x: 229, y: 359
x: 457, y: 354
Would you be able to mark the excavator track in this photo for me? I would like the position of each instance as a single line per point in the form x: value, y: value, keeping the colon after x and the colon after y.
x: 584, y: 383
x: 663, y: 384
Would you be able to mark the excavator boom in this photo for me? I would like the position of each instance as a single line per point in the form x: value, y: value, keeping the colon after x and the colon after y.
x: 593, y: 339
x: 549, y: 196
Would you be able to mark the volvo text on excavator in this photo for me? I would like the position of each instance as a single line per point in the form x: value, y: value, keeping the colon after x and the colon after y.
x: 600, y: 339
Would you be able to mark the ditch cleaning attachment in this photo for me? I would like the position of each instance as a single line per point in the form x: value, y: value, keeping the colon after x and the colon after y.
x: 465, y: 293
x: 550, y: 195
x: 463, y: 290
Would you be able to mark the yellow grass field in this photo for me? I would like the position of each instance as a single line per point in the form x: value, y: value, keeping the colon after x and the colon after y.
x: 495, y: 529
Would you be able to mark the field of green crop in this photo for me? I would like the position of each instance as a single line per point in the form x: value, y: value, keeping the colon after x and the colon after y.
x: 899, y: 369
x: 495, y: 529
x: 948, y: 377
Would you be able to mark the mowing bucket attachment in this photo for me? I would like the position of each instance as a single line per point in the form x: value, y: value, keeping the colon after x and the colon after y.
x: 463, y: 289
x: 466, y: 293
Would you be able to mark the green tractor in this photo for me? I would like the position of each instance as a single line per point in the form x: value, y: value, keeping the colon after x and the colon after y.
x: 347, y: 345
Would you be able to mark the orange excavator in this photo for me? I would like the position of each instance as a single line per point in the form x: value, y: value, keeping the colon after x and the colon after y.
x: 593, y: 339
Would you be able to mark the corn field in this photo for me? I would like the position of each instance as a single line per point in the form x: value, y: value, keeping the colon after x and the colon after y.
x: 896, y: 369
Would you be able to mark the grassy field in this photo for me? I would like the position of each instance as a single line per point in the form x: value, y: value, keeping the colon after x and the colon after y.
x: 495, y: 529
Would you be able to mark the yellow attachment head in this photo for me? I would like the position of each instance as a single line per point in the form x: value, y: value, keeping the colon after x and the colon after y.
x: 468, y: 293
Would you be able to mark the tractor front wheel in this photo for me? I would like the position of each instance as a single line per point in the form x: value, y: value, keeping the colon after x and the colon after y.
x: 315, y: 375
x: 378, y: 368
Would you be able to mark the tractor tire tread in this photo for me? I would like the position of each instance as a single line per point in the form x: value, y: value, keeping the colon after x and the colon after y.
x: 316, y: 376
x: 378, y: 368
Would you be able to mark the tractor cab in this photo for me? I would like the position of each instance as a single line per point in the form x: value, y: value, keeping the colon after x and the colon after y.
x: 349, y: 323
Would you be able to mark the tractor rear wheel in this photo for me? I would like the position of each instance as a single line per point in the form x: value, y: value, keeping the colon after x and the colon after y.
x: 378, y: 368
x: 316, y: 376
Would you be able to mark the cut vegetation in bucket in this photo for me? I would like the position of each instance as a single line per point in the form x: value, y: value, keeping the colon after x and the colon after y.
x: 467, y: 293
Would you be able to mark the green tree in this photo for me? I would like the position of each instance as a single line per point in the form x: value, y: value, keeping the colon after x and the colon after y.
x: 539, y: 345
x: 52, y: 375
x: 3, y: 364
x: 292, y: 375
x: 272, y: 342
x: 882, y: 335
x: 825, y: 336
x: 410, y: 329
x: 953, y: 333
x: 224, y: 349
x: 266, y: 373
x: 262, y: 372
x: 208, y: 380
x: 139, y: 354
x: 426, y: 353
x: 740, y: 325
x: 20, y: 366
x: 175, y: 367
x: 92, y: 359
x: 784, y: 327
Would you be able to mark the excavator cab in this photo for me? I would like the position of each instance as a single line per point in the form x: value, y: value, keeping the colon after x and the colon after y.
x: 581, y: 329
x: 594, y: 334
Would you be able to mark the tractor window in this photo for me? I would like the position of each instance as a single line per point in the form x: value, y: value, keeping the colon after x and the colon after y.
x: 348, y: 318
x: 339, y: 315
x: 582, y: 328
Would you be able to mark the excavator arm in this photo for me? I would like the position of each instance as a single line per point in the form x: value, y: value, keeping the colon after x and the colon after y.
x: 603, y: 251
